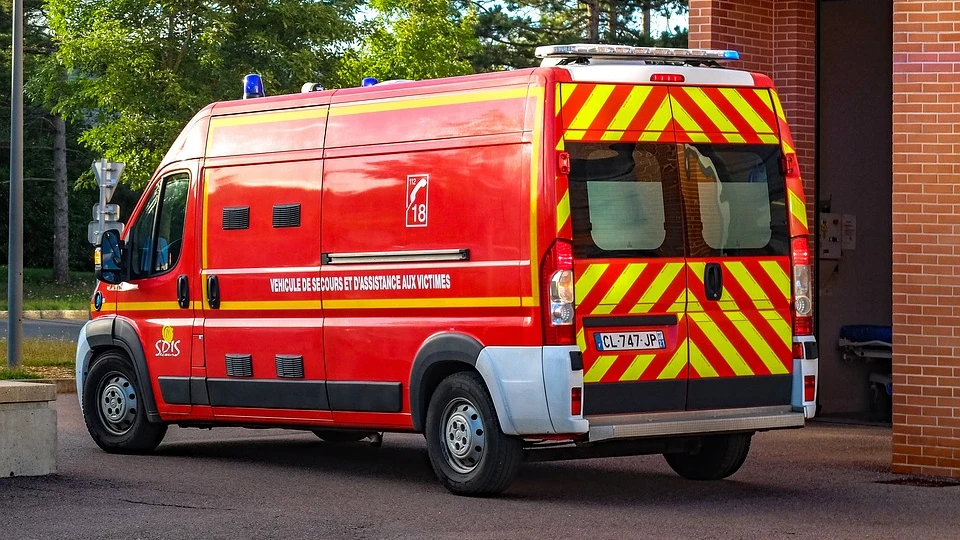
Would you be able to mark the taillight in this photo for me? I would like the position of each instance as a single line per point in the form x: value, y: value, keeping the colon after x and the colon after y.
x: 576, y: 401
x: 557, y: 295
x: 667, y: 77
x: 802, y: 295
x: 809, y: 387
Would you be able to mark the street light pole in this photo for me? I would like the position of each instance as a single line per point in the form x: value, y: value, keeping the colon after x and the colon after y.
x: 15, y: 254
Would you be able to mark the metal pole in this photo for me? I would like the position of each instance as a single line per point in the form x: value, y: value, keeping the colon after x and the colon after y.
x: 103, y: 196
x: 15, y: 267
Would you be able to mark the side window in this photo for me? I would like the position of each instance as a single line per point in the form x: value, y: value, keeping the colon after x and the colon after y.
x: 156, y: 239
x: 625, y: 200
x: 735, y: 197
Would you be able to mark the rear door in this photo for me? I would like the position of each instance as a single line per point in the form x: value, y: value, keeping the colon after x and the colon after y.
x: 626, y: 214
x: 734, y: 196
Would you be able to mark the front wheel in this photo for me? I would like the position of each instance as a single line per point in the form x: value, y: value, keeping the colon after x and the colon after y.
x: 718, y: 457
x: 468, y: 451
x: 113, y: 408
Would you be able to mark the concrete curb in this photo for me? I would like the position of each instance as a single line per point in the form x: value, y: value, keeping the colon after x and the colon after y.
x: 76, y: 314
x: 64, y: 386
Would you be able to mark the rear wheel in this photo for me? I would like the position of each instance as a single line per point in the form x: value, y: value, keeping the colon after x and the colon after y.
x: 718, y: 457
x: 340, y: 436
x: 468, y: 451
x: 113, y: 407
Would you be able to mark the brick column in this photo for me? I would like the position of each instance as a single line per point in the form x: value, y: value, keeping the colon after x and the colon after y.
x: 926, y: 238
x: 775, y: 38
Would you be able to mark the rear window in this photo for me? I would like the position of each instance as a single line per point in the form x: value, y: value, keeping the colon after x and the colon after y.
x: 625, y: 200
x: 735, y: 200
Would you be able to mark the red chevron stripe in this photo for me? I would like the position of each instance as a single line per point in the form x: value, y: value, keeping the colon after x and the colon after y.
x: 765, y: 282
x: 749, y: 310
x: 740, y: 343
x: 764, y: 110
x: 648, y: 109
x: 640, y: 286
x: 713, y: 356
x: 671, y: 293
x: 572, y: 105
x: 599, y: 290
x: 696, y: 113
x: 609, y: 110
x: 727, y: 109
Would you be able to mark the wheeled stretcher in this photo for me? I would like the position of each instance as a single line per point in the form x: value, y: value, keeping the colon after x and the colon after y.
x: 871, y: 343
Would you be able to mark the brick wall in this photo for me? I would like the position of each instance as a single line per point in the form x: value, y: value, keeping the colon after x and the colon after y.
x: 775, y: 38
x: 926, y: 238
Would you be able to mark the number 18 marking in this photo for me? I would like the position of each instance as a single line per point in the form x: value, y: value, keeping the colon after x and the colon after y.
x: 417, y: 190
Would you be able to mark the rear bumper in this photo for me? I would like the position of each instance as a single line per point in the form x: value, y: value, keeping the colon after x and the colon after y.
x: 693, y: 423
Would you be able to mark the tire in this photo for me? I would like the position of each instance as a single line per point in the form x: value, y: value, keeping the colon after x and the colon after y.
x: 719, y: 456
x: 338, y: 436
x: 468, y: 451
x: 113, y: 408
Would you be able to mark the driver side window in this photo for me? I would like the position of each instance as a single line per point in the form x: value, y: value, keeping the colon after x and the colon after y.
x: 157, y: 237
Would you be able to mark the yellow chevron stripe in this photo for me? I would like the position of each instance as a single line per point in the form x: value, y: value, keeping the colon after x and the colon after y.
x: 710, y: 109
x: 699, y: 137
x: 778, y: 276
x: 750, y: 286
x: 661, y: 119
x: 676, y: 364
x: 778, y: 107
x: 637, y: 367
x: 620, y: 287
x: 628, y: 111
x: 764, y: 96
x: 581, y: 341
x: 574, y: 135
x: 586, y: 115
x: 684, y: 120
x: 560, y: 145
x: 782, y: 328
x: 692, y: 303
x: 656, y: 290
x: 558, y: 100
x: 699, y: 362
x: 726, y: 349
x: 680, y: 304
x: 757, y: 343
x: 797, y: 207
x: 585, y: 284
x: 611, y: 136
x: 563, y: 210
x: 599, y: 369
x: 769, y: 139
x: 746, y: 110
x: 734, y: 138
x: 787, y: 149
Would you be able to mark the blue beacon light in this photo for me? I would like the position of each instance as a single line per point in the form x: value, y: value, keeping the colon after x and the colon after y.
x: 369, y: 81
x: 252, y: 86
x: 731, y: 55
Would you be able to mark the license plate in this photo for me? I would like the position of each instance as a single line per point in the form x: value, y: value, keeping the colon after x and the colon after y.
x: 629, y: 341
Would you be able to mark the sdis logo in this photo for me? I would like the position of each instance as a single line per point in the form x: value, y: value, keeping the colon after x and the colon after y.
x: 167, y: 346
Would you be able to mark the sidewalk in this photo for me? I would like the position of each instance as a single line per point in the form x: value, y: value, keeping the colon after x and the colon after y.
x: 76, y: 314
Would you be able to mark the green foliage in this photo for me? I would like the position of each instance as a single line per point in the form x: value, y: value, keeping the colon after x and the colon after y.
x: 412, y: 39
x: 510, y: 30
x: 139, y: 70
x: 40, y: 291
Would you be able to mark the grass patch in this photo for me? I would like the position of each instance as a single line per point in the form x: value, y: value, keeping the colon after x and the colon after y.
x: 40, y: 292
x: 43, y: 353
x: 20, y: 373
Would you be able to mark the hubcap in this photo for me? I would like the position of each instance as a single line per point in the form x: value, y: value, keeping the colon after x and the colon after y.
x: 463, y: 435
x: 118, y: 404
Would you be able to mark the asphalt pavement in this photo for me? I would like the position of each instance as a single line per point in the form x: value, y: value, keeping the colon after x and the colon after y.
x: 823, y: 481
x: 59, y: 329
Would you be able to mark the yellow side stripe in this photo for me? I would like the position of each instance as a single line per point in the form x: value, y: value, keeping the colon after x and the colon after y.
x: 491, y: 301
x: 267, y: 117
x: 270, y: 305
x: 417, y: 102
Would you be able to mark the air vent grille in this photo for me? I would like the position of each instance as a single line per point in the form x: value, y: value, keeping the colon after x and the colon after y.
x: 289, y: 366
x: 239, y: 365
x: 237, y: 217
x: 286, y: 215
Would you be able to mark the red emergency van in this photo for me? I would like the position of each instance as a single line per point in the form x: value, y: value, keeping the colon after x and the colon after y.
x: 604, y: 255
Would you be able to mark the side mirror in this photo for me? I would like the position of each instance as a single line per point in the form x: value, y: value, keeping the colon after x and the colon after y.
x: 111, y: 258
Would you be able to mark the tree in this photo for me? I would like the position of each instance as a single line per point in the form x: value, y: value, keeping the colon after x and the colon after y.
x: 137, y: 71
x: 412, y: 39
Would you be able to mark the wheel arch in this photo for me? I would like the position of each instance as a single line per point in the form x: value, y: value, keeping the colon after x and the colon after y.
x: 440, y: 356
x: 111, y: 333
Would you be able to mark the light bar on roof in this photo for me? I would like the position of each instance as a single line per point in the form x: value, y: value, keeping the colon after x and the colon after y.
x: 626, y: 51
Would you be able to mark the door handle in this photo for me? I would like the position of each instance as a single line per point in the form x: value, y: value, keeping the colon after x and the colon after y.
x: 213, y: 291
x: 713, y: 281
x: 183, y: 291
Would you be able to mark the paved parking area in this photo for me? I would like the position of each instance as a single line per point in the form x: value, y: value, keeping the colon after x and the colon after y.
x: 824, y: 481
